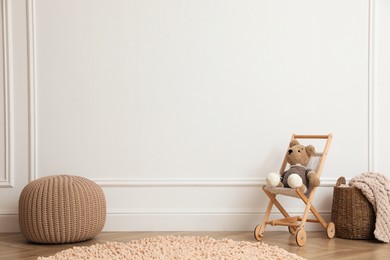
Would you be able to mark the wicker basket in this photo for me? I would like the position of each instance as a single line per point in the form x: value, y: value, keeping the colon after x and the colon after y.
x: 352, y: 213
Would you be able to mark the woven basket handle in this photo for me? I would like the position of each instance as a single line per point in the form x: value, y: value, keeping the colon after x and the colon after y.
x: 341, y: 180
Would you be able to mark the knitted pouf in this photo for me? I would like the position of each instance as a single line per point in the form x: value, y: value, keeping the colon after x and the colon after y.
x: 61, y: 209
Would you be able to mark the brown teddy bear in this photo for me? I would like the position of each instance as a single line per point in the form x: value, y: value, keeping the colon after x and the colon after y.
x: 297, y: 176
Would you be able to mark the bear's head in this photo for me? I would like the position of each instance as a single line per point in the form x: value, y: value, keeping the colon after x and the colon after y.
x: 299, y: 154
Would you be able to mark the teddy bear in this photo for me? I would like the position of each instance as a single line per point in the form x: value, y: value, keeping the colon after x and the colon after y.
x: 297, y: 176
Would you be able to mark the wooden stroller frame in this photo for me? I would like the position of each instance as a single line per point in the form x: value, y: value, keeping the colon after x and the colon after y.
x: 296, y: 224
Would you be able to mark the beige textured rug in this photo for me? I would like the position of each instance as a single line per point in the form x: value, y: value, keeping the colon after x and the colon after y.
x: 176, y: 247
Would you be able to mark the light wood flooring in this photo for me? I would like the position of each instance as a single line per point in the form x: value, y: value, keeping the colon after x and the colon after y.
x: 318, y: 246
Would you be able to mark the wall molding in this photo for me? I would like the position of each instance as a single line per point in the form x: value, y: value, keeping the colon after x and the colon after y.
x: 31, y: 89
x: 8, y: 179
x: 330, y: 182
x: 202, y: 220
x: 189, y: 211
x: 9, y: 222
x: 371, y: 89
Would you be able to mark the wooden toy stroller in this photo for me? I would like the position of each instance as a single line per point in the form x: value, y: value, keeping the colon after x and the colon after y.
x: 296, y: 224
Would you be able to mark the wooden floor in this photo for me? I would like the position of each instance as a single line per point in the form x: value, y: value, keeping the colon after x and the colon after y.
x: 318, y: 246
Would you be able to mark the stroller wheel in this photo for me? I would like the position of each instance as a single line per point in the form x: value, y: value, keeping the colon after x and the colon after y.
x: 259, y: 230
x: 300, y: 237
x: 331, y: 230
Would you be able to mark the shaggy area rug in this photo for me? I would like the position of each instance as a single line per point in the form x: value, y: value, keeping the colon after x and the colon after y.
x: 176, y: 247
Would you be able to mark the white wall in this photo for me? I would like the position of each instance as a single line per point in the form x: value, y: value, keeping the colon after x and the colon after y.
x: 381, y: 95
x: 180, y: 109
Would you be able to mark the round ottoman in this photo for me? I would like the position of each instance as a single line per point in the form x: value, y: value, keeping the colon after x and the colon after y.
x: 61, y: 209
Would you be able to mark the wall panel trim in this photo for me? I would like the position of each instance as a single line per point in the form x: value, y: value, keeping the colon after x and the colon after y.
x: 8, y: 179
x: 371, y: 89
x: 179, y: 221
x: 203, y: 221
x: 31, y: 89
x: 194, y: 182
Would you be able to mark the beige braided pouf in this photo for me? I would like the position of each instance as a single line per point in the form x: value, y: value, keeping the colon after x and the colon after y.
x: 61, y: 209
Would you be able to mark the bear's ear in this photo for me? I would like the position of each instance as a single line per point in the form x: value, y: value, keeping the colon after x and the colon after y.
x: 310, y: 150
x: 294, y: 142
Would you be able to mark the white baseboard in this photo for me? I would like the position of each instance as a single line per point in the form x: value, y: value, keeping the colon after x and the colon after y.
x: 195, y: 222
x: 9, y: 222
x: 171, y: 221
